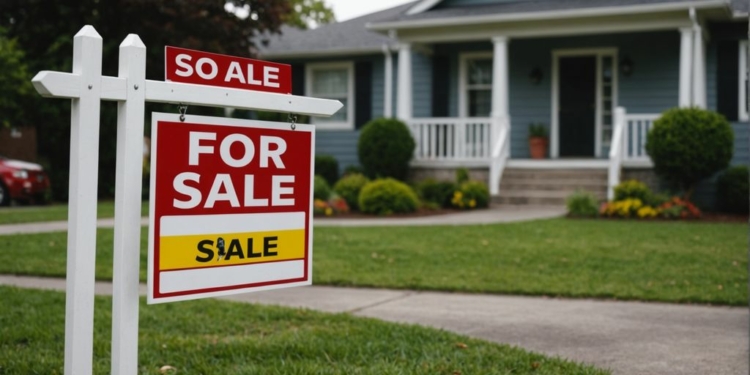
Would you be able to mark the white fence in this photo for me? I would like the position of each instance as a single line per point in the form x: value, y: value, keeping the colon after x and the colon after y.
x: 452, y: 138
x: 636, y: 128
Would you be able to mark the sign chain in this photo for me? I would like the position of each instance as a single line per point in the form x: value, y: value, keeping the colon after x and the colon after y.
x: 183, y: 110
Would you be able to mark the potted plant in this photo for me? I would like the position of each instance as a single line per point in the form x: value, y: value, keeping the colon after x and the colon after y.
x: 538, y: 140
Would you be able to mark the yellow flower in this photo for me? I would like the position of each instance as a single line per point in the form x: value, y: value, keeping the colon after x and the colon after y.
x: 329, y: 211
x: 647, y: 212
x: 472, y: 203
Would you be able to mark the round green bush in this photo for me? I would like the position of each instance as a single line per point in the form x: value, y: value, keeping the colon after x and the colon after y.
x: 321, y: 190
x: 733, y: 190
x: 328, y: 167
x: 437, y: 192
x: 688, y: 145
x: 632, y: 189
x: 387, y: 196
x: 385, y: 147
x: 349, y: 187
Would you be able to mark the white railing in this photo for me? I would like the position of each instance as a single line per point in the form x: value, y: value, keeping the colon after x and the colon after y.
x: 636, y: 128
x: 616, y: 152
x: 500, y: 154
x: 455, y: 139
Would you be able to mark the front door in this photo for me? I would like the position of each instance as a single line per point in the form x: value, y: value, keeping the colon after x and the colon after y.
x: 577, y: 106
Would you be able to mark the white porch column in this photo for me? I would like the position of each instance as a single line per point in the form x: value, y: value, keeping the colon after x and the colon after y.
x: 388, y: 89
x: 686, y: 57
x: 404, y: 110
x: 699, y: 68
x: 500, y: 77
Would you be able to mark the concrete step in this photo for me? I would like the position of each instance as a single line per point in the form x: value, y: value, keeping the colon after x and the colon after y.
x: 594, y: 175
x: 549, y: 187
x: 562, y: 194
x: 544, y: 185
x: 530, y: 201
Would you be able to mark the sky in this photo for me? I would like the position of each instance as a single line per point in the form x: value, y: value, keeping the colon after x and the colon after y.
x: 348, y: 9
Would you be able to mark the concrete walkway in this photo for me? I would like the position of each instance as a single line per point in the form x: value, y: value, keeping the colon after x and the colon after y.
x: 499, y: 214
x: 627, y: 337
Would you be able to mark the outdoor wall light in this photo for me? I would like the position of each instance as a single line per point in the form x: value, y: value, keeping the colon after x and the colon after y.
x: 626, y: 66
x: 536, y: 76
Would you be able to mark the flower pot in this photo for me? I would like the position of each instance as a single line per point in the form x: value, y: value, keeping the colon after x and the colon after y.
x: 538, y: 147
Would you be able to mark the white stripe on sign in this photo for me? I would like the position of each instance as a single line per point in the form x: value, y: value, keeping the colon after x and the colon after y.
x: 230, y: 223
x: 218, y: 277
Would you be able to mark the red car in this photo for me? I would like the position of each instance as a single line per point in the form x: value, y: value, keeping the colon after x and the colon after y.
x: 22, y: 181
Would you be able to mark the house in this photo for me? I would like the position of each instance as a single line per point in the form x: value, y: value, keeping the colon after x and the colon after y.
x: 469, y: 76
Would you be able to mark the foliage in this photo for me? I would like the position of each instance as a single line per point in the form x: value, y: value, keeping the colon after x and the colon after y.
x: 321, y: 208
x: 632, y: 189
x: 353, y: 169
x: 462, y: 175
x: 538, y: 130
x: 688, y: 145
x: 349, y: 187
x: 309, y: 13
x: 732, y: 190
x: 675, y: 208
x: 15, y: 82
x: 321, y: 190
x: 624, y: 208
x: 387, y: 196
x: 385, y: 147
x: 328, y: 167
x: 438, y: 193
x: 678, y: 208
x: 582, y: 204
x: 44, y: 32
x: 470, y: 195
x: 339, y: 205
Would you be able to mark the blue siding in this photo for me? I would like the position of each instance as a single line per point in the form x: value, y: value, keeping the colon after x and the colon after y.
x: 421, y: 85
x: 711, y: 67
x: 342, y: 144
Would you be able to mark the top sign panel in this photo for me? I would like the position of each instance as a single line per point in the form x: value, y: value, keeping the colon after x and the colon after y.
x: 203, y: 68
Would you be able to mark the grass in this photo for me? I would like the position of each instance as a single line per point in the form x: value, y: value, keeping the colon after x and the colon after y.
x: 54, y: 212
x: 218, y: 337
x: 652, y: 261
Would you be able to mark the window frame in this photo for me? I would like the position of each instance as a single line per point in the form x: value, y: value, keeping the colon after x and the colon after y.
x: 464, y: 86
x: 742, y: 84
x: 322, y: 123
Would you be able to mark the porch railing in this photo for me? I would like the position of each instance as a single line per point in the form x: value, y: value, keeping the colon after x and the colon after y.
x: 456, y: 139
x: 616, y: 152
x: 636, y: 129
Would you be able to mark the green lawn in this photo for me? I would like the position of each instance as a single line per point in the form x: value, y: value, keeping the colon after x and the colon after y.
x: 54, y: 212
x: 218, y: 337
x: 654, y: 261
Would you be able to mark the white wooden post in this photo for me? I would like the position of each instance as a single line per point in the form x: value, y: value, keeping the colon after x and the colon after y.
x: 404, y: 111
x: 82, y: 195
x: 128, y: 185
x: 699, y: 68
x: 388, y: 89
x: 500, y: 110
x: 686, y: 56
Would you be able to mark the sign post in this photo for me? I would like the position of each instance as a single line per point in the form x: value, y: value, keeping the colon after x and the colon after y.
x: 86, y: 87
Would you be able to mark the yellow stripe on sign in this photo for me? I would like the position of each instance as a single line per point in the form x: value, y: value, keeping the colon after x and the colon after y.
x: 198, y: 251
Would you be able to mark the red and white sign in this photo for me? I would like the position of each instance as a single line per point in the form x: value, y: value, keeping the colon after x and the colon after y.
x: 231, y: 207
x: 204, y: 68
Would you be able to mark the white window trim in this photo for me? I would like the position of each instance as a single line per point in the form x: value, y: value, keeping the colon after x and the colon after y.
x: 743, y: 115
x: 463, y: 84
x: 320, y: 123
x: 599, y: 53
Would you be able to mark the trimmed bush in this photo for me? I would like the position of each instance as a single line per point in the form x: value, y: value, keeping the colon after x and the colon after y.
x: 582, y: 204
x: 462, y: 175
x: 732, y: 190
x: 438, y: 193
x: 387, y: 196
x: 353, y: 169
x: 321, y: 190
x: 385, y: 148
x: 349, y: 187
x: 688, y: 145
x: 631, y: 189
x: 328, y: 167
x: 471, y: 194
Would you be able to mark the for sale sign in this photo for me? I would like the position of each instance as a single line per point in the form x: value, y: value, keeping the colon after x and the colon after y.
x: 231, y: 207
x: 204, y: 68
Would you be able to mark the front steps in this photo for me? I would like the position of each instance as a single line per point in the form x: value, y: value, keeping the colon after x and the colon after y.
x: 549, y: 187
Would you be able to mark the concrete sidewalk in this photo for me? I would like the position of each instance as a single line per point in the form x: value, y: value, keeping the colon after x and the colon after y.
x: 499, y: 214
x: 627, y: 337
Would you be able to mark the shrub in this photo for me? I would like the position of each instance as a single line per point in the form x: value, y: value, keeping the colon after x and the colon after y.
x: 471, y: 194
x: 321, y: 190
x: 632, y: 189
x: 387, y: 196
x: 339, y: 205
x: 353, y: 169
x: 678, y: 208
x: 462, y: 175
x: 328, y: 167
x: 582, y: 204
x: 321, y: 208
x: 385, y: 147
x: 349, y: 187
x: 624, y: 208
x: 436, y: 193
x: 688, y: 145
x: 733, y: 191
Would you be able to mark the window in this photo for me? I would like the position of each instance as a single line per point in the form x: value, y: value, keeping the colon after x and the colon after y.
x: 476, y: 79
x: 743, y: 82
x: 332, y: 81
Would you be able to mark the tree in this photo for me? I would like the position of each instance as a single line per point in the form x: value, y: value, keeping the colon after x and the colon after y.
x: 44, y: 32
x: 309, y: 13
x: 15, y: 82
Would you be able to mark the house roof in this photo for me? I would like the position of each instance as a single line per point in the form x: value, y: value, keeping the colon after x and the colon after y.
x: 348, y: 37
x: 559, y: 7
